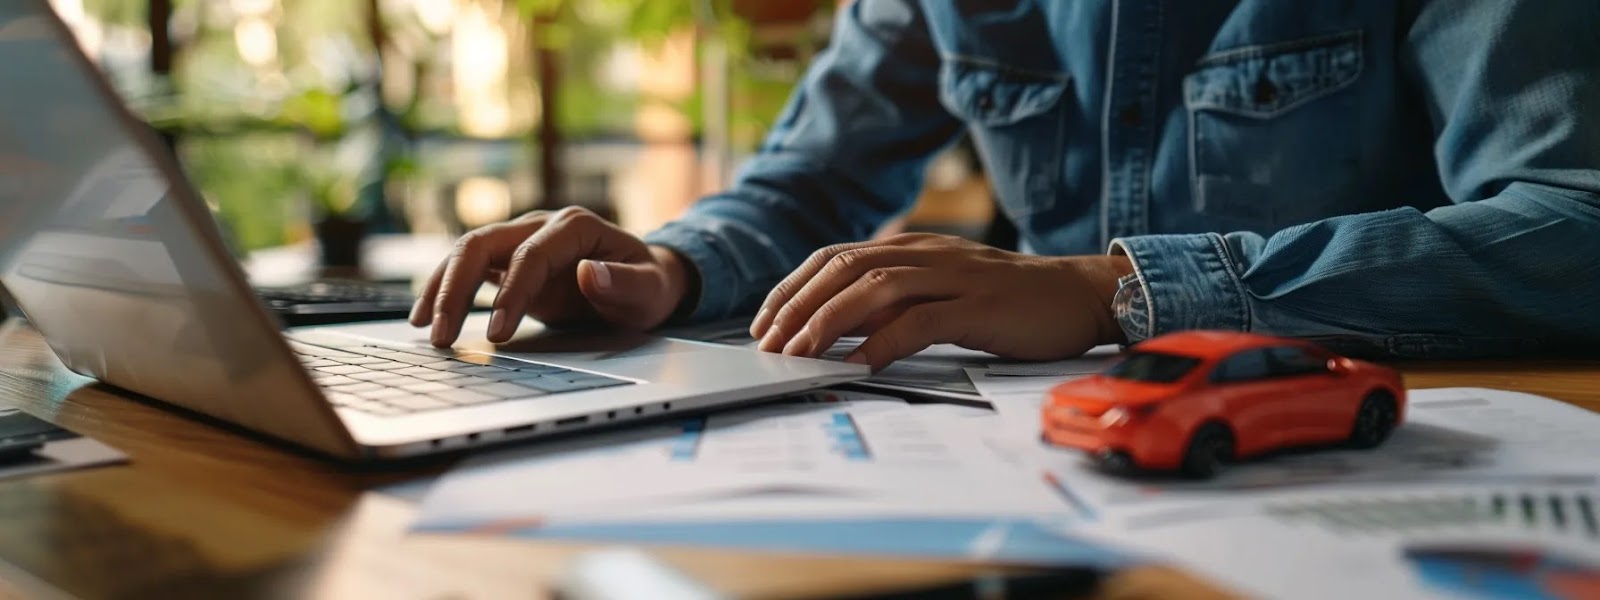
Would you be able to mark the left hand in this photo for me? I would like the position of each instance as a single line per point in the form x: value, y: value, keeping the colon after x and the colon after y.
x: 912, y: 291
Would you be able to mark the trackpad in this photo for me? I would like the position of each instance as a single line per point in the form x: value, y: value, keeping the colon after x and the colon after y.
x: 591, y: 345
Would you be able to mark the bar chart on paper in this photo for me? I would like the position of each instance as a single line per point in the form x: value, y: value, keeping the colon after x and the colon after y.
x: 810, y: 439
x: 1557, y: 512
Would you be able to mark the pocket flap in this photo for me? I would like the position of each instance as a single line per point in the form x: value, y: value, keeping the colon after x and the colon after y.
x: 1268, y: 80
x: 996, y: 95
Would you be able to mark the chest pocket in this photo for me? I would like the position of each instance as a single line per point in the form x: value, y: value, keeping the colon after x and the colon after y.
x: 1272, y: 142
x: 1016, y: 121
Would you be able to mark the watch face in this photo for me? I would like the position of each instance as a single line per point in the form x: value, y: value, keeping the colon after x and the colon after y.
x: 1131, y: 309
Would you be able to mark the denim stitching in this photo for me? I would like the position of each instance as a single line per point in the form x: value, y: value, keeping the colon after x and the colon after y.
x: 998, y: 66
x: 1245, y: 320
x: 1243, y: 53
x: 1361, y: 65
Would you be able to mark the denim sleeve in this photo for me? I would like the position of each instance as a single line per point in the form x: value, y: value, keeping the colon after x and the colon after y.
x: 1513, y: 90
x: 846, y: 155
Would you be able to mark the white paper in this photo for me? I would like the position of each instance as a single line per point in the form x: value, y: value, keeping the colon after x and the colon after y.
x: 1016, y: 387
x: 851, y: 459
x: 1351, y: 524
x: 1406, y: 542
x: 63, y: 455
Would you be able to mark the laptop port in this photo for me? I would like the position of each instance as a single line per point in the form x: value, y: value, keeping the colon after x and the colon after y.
x: 572, y: 421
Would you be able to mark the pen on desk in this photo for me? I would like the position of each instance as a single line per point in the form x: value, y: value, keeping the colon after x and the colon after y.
x: 1066, y: 582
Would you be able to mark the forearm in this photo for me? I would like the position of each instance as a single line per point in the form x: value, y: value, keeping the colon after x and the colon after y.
x: 846, y: 155
x: 1507, y: 275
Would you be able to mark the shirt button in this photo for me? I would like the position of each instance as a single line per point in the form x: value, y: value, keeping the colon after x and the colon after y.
x: 1266, y: 92
x: 985, y: 102
x: 1131, y: 115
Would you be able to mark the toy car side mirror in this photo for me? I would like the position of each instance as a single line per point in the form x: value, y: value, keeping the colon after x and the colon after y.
x: 1338, y: 367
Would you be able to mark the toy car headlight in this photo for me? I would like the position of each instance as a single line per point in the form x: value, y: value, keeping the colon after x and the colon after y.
x: 1116, y: 416
x: 1120, y: 415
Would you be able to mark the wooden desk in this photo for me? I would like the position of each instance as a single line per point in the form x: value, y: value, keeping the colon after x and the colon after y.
x: 204, y: 511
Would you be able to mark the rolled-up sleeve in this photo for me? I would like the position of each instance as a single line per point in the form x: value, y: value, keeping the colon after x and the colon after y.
x: 1513, y: 90
x: 847, y: 155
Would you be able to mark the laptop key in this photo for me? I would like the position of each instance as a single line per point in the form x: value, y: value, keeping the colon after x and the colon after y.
x: 342, y: 399
x: 514, y: 376
x: 363, y: 360
x: 380, y: 409
x: 416, y: 402
x: 411, y: 359
x: 439, y: 376
x: 354, y: 388
x: 469, y: 381
x: 472, y: 369
x: 310, y: 350
x: 387, y: 366
x: 505, y: 390
x: 506, y: 363
x: 424, y: 387
x: 463, y: 396
x: 377, y: 376
x: 312, y: 362
x: 383, y: 394
x: 341, y: 369
x: 332, y: 380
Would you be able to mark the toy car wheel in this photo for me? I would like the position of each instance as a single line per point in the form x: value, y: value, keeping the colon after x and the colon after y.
x: 1209, y: 451
x: 1374, y: 422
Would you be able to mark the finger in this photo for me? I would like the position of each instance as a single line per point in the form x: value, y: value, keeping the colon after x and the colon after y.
x: 877, y: 321
x: 920, y: 326
x: 464, y: 272
x: 844, y: 269
x: 621, y: 293
x: 422, y: 311
x: 570, y: 235
x: 878, y: 290
x: 781, y: 293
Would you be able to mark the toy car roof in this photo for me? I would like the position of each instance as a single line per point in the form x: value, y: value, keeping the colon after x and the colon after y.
x: 1210, y: 344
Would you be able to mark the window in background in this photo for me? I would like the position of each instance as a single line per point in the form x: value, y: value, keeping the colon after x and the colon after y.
x: 329, y: 120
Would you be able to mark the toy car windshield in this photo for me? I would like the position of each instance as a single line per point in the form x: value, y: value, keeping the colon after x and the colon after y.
x: 1153, y: 367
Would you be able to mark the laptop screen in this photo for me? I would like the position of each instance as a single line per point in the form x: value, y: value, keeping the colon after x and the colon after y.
x: 101, y: 244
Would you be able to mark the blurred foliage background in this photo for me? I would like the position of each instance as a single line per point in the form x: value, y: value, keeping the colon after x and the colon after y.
x: 423, y: 115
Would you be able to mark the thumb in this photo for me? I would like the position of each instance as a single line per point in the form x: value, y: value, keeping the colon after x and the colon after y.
x: 628, y: 295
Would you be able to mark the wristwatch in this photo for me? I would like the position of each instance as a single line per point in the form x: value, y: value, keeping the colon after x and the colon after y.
x: 1131, y: 307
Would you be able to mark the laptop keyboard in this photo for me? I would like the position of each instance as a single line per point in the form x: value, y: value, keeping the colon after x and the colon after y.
x: 390, y: 381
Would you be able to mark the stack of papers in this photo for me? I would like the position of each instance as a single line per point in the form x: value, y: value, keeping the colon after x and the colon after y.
x: 1481, y: 492
x: 1479, y: 489
x: 862, y: 474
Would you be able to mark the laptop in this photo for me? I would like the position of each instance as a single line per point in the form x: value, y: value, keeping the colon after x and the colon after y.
x: 112, y: 256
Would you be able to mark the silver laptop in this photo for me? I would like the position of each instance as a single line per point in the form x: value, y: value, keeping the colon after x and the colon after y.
x: 112, y: 256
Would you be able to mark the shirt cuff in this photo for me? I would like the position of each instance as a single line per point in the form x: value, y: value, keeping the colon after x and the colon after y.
x: 1189, y: 282
x: 718, y: 281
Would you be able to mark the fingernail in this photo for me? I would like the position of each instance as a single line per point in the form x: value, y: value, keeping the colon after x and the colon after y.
x: 760, y: 315
x: 800, y: 341
x: 602, y: 275
x: 497, y: 322
x: 856, y: 358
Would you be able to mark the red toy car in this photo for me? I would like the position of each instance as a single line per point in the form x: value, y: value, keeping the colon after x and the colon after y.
x: 1194, y: 401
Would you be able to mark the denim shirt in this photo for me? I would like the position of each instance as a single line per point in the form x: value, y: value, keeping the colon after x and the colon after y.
x: 1405, y: 178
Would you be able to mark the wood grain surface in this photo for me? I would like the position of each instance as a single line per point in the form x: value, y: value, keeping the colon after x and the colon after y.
x: 203, y: 510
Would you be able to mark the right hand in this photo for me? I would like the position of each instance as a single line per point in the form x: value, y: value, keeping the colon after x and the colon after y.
x: 564, y: 266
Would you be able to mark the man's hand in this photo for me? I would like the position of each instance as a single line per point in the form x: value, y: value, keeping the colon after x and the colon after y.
x: 912, y: 291
x: 563, y: 266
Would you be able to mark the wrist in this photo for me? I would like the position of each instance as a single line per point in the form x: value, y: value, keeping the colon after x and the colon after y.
x: 682, y: 280
x: 1100, y: 275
